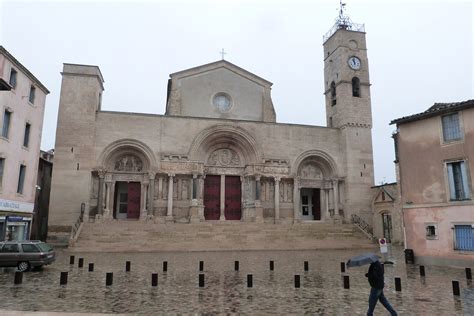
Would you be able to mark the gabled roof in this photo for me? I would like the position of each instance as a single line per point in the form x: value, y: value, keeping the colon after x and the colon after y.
x: 390, y: 190
x: 221, y: 64
x: 435, y: 110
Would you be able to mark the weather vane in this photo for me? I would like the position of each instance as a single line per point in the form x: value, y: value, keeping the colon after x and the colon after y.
x: 222, y: 52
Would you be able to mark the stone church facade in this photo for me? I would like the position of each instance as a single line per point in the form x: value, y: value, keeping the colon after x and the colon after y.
x: 217, y: 154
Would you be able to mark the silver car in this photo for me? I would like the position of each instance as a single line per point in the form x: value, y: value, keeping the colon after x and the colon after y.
x: 26, y: 254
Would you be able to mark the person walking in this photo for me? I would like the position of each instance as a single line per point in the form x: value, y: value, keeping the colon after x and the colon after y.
x: 376, y: 281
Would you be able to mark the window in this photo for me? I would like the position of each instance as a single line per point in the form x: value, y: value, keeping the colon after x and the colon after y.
x: 31, y: 98
x: 431, y: 231
x: 10, y: 248
x: 355, y: 87
x: 333, y: 93
x: 12, y: 81
x: 26, y: 139
x: 29, y: 248
x: 6, y: 123
x: 21, y: 179
x: 451, y: 129
x: 387, y: 226
x: 457, y: 178
x: 2, y: 167
x: 464, y: 237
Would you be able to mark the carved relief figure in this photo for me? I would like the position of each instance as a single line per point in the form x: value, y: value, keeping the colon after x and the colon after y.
x: 129, y: 163
x: 224, y: 157
x: 311, y: 171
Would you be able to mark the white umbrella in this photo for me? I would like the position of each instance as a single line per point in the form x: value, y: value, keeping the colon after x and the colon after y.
x: 361, y: 260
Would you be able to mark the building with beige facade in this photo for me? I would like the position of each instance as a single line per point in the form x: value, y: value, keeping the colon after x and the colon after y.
x: 218, y: 153
x: 434, y: 154
x: 22, y: 102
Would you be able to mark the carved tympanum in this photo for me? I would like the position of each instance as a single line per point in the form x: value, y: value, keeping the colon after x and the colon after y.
x: 224, y: 157
x: 311, y: 171
x: 128, y: 163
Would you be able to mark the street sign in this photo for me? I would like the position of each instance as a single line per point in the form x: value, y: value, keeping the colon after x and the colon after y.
x: 383, y: 245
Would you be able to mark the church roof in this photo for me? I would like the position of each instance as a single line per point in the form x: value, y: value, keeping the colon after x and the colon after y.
x: 221, y: 64
x: 435, y: 110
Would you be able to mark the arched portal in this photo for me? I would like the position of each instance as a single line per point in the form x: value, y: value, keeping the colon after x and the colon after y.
x: 225, y: 152
x: 123, y: 180
x: 317, y: 186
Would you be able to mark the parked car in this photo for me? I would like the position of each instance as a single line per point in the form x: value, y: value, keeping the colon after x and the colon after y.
x: 26, y: 254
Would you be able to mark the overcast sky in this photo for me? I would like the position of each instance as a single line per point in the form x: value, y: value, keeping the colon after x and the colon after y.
x: 420, y: 52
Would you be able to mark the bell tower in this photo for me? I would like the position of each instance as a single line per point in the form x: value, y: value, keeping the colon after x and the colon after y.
x: 348, y: 108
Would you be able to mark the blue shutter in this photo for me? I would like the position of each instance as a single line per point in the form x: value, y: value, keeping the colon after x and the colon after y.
x: 464, y: 237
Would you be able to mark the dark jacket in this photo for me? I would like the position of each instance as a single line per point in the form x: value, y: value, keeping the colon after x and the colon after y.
x: 375, y: 275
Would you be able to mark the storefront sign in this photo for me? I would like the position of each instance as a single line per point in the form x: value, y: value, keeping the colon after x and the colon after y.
x: 8, y: 205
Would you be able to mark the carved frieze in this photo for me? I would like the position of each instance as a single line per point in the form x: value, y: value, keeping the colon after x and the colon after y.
x: 128, y: 177
x: 311, y: 171
x: 129, y: 163
x: 181, y: 167
x: 224, y: 157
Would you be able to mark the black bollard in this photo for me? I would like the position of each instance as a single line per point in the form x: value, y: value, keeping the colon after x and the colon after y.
x: 71, y: 260
x: 91, y: 267
x: 346, y: 282
x: 165, y: 266
x: 154, y: 279
x: 80, y: 263
x: 128, y: 266
x: 422, y: 271
x: 343, y: 267
x: 297, y: 281
x: 398, y: 284
x: 272, y: 265
x: 249, y: 280
x: 18, y: 277
x: 236, y: 266
x: 201, y: 280
x: 201, y: 265
x: 456, y: 290
x: 109, y: 278
x: 63, y: 278
x: 306, y: 266
x: 468, y: 274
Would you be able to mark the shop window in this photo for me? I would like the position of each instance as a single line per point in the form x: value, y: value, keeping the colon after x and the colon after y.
x: 431, y: 231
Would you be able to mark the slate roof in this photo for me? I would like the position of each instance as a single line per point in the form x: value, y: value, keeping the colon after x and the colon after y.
x: 435, y: 110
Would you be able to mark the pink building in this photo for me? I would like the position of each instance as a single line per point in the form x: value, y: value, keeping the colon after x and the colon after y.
x: 434, y: 159
x: 22, y: 100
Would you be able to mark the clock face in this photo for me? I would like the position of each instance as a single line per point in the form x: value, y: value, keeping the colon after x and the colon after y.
x: 222, y: 102
x: 354, y: 62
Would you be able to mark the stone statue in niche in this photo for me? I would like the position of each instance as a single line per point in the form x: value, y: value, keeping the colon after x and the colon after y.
x: 129, y: 163
x: 289, y: 192
x: 311, y: 171
x: 184, y: 189
x: 224, y: 157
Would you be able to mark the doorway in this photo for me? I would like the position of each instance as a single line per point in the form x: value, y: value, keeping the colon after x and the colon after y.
x: 212, y: 198
x: 310, y: 204
x: 127, y: 200
x: 387, y: 227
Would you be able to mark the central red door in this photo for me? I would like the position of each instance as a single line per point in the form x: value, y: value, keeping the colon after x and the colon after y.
x: 232, y: 198
x: 133, y: 205
x: 212, y: 197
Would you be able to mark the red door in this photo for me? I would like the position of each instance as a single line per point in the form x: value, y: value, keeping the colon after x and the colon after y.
x: 133, y: 205
x: 232, y: 198
x: 212, y: 197
x: 316, y: 204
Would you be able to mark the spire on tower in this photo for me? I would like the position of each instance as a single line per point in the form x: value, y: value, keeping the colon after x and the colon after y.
x: 344, y: 22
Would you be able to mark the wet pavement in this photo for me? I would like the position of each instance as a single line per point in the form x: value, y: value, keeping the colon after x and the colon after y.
x: 226, y: 290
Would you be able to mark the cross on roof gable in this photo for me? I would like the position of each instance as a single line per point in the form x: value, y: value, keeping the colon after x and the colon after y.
x: 221, y: 64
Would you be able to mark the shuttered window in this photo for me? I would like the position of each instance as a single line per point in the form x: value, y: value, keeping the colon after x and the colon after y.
x: 458, y: 181
x: 464, y: 237
x: 451, y: 129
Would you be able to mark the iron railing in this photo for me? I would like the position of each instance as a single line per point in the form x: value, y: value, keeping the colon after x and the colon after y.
x: 363, y: 226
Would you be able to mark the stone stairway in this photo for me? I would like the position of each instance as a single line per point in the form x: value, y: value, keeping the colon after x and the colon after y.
x: 136, y: 236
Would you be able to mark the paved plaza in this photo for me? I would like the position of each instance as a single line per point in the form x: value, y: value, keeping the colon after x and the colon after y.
x: 226, y: 290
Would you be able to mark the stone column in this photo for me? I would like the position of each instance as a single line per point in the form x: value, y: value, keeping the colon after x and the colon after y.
x: 327, y: 215
x: 160, y: 189
x: 100, y: 196
x: 143, y: 199
x: 336, y: 198
x: 222, y: 217
x: 258, y: 188
x: 108, y: 200
x: 151, y: 194
x: 277, y: 199
x: 169, y: 214
x: 196, y: 211
x: 296, y: 200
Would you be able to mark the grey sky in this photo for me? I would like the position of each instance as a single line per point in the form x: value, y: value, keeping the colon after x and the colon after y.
x: 419, y: 52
